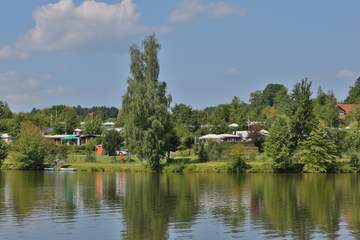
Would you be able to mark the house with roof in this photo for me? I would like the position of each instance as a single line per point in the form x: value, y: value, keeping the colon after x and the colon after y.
x: 71, y: 139
x: 344, y: 110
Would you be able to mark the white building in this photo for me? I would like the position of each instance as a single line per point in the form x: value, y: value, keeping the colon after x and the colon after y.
x: 108, y: 125
x: 220, y: 138
x: 6, y: 137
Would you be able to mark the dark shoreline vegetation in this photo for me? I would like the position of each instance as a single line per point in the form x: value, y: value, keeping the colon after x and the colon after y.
x: 305, y: 133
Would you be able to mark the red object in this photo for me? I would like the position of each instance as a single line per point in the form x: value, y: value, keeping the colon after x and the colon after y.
x: 122, y: 157
x: 99, y: 149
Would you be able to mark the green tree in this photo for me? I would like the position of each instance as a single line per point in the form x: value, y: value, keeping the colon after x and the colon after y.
x: 302, y: 119
x: 325, y: 108
x: 70, y: 119
x: 30, y: 149
x: 10, y: 126
x: 282, y: 101
x: 93, y: 125
x: 112, y: 142
x: 202, y: 153
x: 272, y: 92
x: 317, y: 153
x: 354, y: 92
x: 5, y: 111
x: 219, y: 118
x: 259, y: 100
x: 185, y: 124
x: 145, y: 105
x: 3, y: 151
x: 238, y: 112
x: 277, y: 145
x: 173, y: 142
x: 183, y: 115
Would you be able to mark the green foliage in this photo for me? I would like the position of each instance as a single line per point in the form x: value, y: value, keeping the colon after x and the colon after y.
x: 317, y: 153
x: 102, y: 112
x: 172, y: 141
x: 220, y: 118
x: 5, y: 111
x: 185, y: 124
x: 277, y: 145
x: 257, y: 137
x: 30, y: 149
x: 185, y: 116
x: 325, y: 108
x: 93, y: 126
x: 354, y: 92
x: 238, y: 113
x: 145, y: 105
x: 70, y: 119
x: 352, y: 140
x: 302, y: 119
x: 62, y: 152
x: 202, y: 153
x: 90, y: 151
x: 237, y: 161
x: 3, y: 151
x: 272, y: 95
x: 112, y: 142
x: 355, y: 162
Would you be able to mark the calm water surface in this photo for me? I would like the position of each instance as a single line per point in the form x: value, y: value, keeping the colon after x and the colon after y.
x: 61, y: 206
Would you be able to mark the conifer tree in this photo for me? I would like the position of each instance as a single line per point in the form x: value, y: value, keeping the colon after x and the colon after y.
x: 354, y: 93
x: 277, y: 145
x: 317, y: 153
x: 302, y: 120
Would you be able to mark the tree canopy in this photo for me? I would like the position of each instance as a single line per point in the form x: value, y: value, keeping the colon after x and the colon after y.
x: 354, y: 92
x: 146, y: 104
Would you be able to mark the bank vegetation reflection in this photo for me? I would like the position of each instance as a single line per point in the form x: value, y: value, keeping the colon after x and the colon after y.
x: 153, y: 206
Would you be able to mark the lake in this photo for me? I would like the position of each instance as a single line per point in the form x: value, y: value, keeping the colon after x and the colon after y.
x: 62, y: 206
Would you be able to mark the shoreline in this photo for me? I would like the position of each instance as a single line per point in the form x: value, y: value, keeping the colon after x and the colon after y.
x: 260, y: 167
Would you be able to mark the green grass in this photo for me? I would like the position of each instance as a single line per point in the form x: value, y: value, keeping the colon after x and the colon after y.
x: 187, y: 164
x: 109, y: 167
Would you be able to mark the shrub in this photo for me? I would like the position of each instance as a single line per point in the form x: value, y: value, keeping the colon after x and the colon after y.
x: 30, y: 149
x: 112, y: 142
x: 355, y: 162
x: 3, y: 151
x: 202, y: 153
x: 238, y: 163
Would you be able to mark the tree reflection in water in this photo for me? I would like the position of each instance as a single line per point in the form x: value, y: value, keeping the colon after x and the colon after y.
x: 161, y: 206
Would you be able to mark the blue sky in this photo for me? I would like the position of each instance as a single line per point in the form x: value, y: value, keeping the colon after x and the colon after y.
x: 76, y: 52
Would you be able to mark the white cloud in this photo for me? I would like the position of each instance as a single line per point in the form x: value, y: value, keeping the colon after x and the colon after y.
x: 9, y: 52
x: 187, y: 10
x: 345, y: 73
x: 26, y: 89
x: 232, y: 71
x: 64, y: 26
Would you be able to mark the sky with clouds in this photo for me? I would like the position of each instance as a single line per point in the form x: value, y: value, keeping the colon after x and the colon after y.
x: 75, y: 52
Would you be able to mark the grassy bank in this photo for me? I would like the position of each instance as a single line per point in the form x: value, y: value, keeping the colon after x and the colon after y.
x: 109, y: 167
x: 185, y: 162
x: 208, y: 167
x: 258, y: 166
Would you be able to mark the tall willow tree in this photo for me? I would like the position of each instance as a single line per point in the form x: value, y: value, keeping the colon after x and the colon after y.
x: 145, y: 105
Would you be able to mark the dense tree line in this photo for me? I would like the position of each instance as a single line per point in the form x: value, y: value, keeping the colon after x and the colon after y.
x: 306, y: 133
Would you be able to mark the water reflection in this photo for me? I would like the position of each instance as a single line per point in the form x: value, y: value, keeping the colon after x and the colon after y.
x: 152, y: 206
